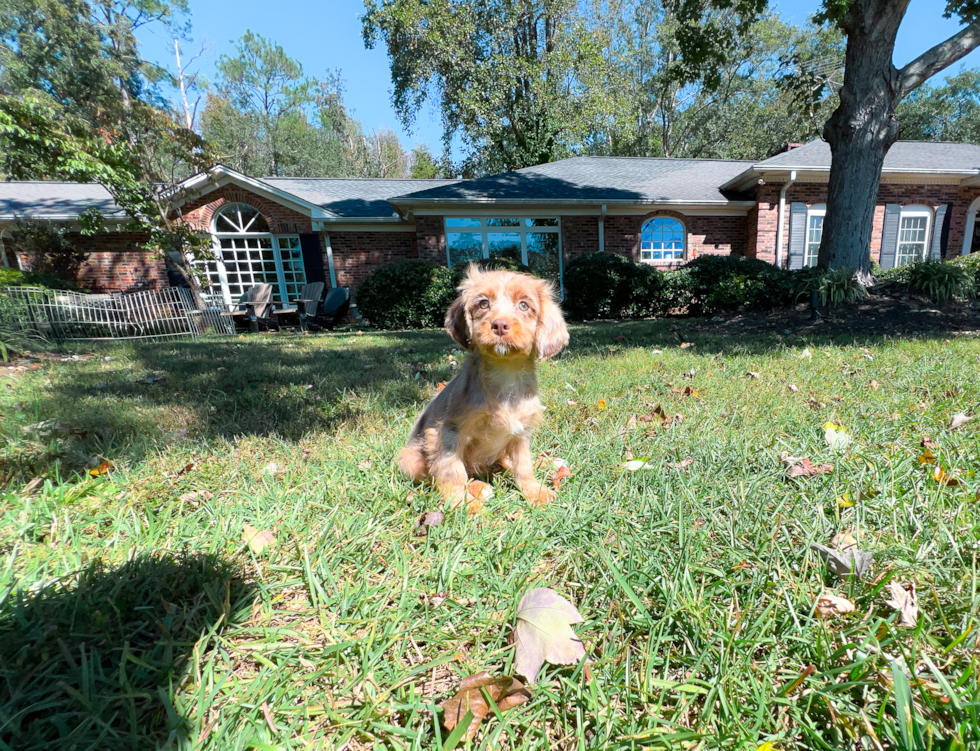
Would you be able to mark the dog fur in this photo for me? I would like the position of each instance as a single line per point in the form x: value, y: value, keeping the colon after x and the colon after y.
x: 484, y: 416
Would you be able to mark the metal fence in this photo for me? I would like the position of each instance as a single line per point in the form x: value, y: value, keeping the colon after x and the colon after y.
x: 69, y: 316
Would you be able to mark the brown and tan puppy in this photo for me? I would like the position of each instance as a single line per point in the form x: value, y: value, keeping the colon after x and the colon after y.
x: 485, y: 415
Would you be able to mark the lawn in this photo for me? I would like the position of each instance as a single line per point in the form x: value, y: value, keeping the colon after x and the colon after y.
x: 133, y: 615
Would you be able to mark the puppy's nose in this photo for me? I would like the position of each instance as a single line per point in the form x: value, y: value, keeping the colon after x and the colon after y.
x: 499, y: 327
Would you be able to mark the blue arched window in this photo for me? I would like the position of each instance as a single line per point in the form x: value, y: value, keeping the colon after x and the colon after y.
x: 662, y: 240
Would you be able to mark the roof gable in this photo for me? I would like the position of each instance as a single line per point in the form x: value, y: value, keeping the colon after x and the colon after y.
x: 354, y: 197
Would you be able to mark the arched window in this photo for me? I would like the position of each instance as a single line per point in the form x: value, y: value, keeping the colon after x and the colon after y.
x: 913, y: 234
x: 247, y: 253
x: 662, y: 240
x: 814, y: 232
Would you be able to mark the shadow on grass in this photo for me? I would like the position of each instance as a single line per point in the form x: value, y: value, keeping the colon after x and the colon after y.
x: 92, y: 664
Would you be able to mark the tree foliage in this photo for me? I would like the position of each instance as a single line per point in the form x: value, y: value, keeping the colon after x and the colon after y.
x: 946, y: 112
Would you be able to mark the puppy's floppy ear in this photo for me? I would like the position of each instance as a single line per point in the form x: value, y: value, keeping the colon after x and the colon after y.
x: 551, y: 335
x: 456, y: 323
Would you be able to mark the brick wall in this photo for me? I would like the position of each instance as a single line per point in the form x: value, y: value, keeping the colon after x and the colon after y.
x: 430, y: 237
x: 112, y: 262
x: 580, y: 235
x: 282, y: 220
x: 357, y: 254
x: 904, y: 195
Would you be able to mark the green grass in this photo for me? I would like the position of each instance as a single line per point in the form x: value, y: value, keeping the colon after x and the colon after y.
x: 133, y: 618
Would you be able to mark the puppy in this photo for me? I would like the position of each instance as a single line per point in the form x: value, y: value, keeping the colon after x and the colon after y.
x: 485, y: 415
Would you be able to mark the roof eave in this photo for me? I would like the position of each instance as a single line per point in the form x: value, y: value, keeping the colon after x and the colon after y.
x: 571, y: 201
x: 203, y: 179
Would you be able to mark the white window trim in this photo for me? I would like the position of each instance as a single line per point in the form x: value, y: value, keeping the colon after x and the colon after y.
x: 485, y: 229
x: 915, y: 210
x: 661, y: 261
x: 818, y: 209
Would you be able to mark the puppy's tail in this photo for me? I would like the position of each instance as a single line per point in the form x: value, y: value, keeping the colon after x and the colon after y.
x: 412, y: 463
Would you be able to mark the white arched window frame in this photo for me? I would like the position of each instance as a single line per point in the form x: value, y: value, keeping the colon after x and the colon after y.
x: 663, y: 239
x: 814, y: 232
x: 248, y: 253
x: 914, y: 231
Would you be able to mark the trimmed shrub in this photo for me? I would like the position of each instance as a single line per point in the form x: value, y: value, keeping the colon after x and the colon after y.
x: 941, y: 281
x: 723, y: 283
x: 15, y: 278
x: 607, y: 285
x: 415, y: 294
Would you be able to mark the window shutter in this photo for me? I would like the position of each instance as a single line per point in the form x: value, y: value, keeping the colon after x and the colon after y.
x: 940, y: 233
x: 312, y: 257
x: 889, y: 235
x: 797, y: 235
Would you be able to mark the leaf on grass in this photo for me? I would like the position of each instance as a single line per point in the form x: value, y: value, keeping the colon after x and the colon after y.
x: 635, y: 465
x: 752, y: 374
x: 683, y: 464
x: 440, y: 386
x: 927, y: 457
x: 873, y: 385
x: 844, y: 562
x: 366, y: 464
x: 428, y: 519
x: 195, y: 497
x: 829, y: 604
x: 258, y: 541
x: 793, y: 388
x: 844, y: 540
x: 958, y: 421
x: 560, y: 475
x: 845, y: 501
x: 480, y: 490
x: 836, y: 437
x: 544, y: 633
x: 601, y: 404
x: 802, y: 467
x: 905, y: 602
x: 505, y: 692
x: 101, y: 469
x: 686, y: 345
x: 943, y: 477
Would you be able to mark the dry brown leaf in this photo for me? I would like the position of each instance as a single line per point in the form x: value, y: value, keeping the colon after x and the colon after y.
x: 958, y: 421
x: 686, y: 345
x: 258, y: 541
x: 927, y: 457
x: 480, y: 490
x: 873, y: 385
x: 927, y: 443
x: 366, y: 464
x: 905, y: 601
x: 752, y: 374
x: 505, y: 692
x: 543, y: 632
x: 829, y: 604
x: 560, y: 475
x: 440, y: 386
x: 793, y: 388
x: 428, y: 519
x: 101, y: 469
x: 943, y: 477
x: 806, y: 468
x: 844, y: 540
x: 683, y: 463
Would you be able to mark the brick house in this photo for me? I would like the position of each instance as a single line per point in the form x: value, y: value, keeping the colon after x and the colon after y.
x: 664, y: 212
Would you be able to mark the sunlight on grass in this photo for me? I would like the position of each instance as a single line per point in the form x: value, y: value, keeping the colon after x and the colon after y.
x: 132, y: 611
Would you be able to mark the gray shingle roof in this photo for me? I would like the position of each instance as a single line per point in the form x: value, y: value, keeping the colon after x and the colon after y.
x: 352, y: 197
x: 904, y: 155
x: 54, y: 200
x: 597, y: 179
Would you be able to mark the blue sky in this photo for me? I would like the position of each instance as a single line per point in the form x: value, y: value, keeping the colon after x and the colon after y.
x: 327, y: 36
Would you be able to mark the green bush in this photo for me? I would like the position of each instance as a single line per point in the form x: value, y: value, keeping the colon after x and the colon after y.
x: 15, y: 278
x: 711, y: 284
x: 416, y: 294
x: 941, y: 281
x: 607, y: 285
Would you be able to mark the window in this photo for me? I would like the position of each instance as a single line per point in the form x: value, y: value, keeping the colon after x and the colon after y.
x: 533, y: 241
x: 662, y: 240
x: 913, y: 234
x: 814, y: 233
x: 247, y: 253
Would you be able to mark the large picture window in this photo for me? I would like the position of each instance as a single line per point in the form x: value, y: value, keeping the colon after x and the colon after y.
x: 814, y: 233
x: 662, y: 240
x: 247, y: 253
x: 913, y: 234
x: 533, y: 241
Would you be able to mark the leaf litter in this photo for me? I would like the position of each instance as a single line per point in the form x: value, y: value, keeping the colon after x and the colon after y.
x: 543, y: 632
x: 504, y: 693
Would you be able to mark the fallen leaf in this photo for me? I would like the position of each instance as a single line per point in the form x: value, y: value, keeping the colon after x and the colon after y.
x: 836, y: 437
x: 905, y: 602
x: 480, y: 490
x: 656, y: 351
x: 806, y: 468
x: 601, y: 404
x: 845, y: 501
x: 927, y: 442
x: 829, y: 604
x: 873, y: 385
x: 958, y: 421
x: 752, y: 374
x: 32, y: 486
x: 814, y: 404
x: 272, y: 468
x: 635, y: 465
x: 683, y: 463
x: 943, y: 477
x: 793, y: 388
x: 429, y: 519
x: 560, y: 475
x: 258, y: 541
x: 927, y: 457
x: 505, y: 692
x: 440, y: 386
x: 843, y: 541
x: 543, y: 632
x: 99, y: 470
x: 806, y: 354
x: 844, y: 562
x: 686, y: 345
x: 268, y: 717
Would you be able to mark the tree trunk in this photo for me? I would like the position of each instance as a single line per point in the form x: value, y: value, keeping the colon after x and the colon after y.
x: 860, y: 132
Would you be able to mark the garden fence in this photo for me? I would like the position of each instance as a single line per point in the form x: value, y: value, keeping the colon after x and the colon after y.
x: 69, y: 316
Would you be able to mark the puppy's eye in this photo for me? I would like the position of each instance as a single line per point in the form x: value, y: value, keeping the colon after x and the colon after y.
x: 522, y: 305
x: 485, y: 304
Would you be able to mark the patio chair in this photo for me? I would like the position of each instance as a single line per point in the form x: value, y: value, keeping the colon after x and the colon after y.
x: 254, y: 307
x: 306, y: 306
x: 335, y: 307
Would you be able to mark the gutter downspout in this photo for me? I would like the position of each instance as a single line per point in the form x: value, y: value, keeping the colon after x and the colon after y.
x: 602, y: 229
x: 781, y: 220
x: 333, y: 275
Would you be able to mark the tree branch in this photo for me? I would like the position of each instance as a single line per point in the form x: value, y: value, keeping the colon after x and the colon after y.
x: 941, y: 56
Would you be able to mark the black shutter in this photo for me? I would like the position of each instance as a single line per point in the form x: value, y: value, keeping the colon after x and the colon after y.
x: 940, y: 233
x: 889, y: 236
x: 313, y: 260
x: 797, y: 235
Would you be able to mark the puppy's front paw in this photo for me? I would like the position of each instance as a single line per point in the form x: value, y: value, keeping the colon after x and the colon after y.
x: 539, y: 495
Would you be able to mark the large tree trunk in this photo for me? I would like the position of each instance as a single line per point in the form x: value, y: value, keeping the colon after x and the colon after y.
x: 860, y: 132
